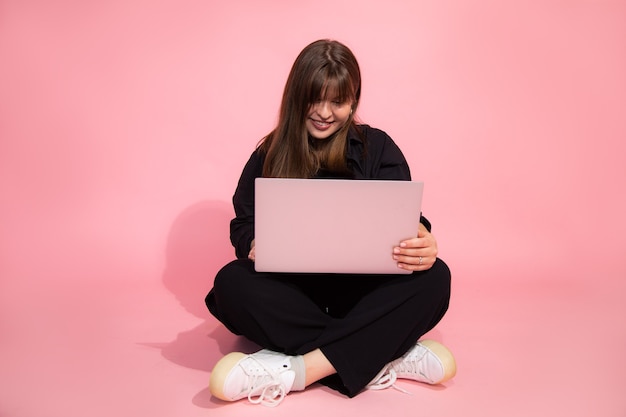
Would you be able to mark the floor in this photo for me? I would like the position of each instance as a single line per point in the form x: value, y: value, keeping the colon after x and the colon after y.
x: 118, y: 118
x: 116, y: 338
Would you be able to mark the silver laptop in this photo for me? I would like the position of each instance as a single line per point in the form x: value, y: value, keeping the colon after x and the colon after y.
x: 333, y: 226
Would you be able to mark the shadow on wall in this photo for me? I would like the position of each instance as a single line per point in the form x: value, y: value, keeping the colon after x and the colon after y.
x: 198, y: 246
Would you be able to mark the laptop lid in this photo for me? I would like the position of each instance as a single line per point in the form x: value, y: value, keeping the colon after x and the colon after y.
x: 333, y: 226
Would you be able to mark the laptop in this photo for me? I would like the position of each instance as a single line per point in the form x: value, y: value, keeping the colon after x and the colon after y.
x: 332, y: 225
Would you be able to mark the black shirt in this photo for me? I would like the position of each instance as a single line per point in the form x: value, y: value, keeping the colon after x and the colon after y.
x: 371, y: 154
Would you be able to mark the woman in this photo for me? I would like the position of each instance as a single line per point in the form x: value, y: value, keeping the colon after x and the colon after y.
x: 347, y: 333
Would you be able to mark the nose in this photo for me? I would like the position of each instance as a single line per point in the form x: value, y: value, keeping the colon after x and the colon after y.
x: 322, y: 108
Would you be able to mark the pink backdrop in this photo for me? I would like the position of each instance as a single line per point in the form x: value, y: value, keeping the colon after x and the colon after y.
x: 124, y: 126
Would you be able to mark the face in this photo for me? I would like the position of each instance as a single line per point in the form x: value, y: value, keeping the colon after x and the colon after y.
x: 327, y: 116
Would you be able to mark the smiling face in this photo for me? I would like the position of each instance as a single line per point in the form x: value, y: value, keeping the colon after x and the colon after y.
x: 327, y: 116
x: 318, y: 107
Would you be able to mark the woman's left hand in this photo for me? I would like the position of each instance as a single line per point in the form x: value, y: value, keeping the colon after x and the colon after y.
x: 417, y: 254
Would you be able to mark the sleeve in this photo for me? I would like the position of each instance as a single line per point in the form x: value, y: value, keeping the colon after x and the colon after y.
x: 385, y: 160
x: 389, y: 162
x: 242, y: 226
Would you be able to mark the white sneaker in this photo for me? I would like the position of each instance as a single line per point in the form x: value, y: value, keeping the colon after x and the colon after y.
x: 428, y: 361
x: 264, y: 377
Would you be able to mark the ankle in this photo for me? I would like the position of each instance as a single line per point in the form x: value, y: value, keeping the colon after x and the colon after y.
x: 317, y: 366
x: 299, y: 367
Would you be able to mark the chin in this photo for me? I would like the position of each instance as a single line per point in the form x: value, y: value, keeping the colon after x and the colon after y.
x: 316, y: 135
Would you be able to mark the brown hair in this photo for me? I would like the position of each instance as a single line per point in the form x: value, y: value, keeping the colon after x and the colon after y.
x: 323, y: 66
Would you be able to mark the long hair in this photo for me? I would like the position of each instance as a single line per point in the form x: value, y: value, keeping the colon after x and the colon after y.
x: 323, y: 66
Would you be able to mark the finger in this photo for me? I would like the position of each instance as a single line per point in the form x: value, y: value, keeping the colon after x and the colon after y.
x: 413, y: 268
x: 416, y: 242
x: 413, y: 260
x: 426, y: 264
x: 414, y: 252
x: 424, y: 238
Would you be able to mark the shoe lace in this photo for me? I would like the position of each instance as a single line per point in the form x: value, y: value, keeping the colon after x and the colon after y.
x: 411, y: 364
x: 267, y: 390
x: 386, y: 379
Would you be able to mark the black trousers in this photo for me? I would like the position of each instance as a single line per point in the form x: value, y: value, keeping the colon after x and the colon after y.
x: 360, y: 322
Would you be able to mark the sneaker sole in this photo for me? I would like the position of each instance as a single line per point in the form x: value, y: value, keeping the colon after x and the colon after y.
x: 219, y: 373
x: 445, y: 356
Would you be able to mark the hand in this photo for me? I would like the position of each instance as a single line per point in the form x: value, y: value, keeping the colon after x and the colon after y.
x: 251, y: 253
x: 417, y: 254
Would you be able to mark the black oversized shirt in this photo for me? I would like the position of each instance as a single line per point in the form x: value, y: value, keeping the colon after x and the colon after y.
x: 372, y: 155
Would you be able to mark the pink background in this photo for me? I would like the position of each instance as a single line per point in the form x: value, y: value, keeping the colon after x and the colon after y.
x: 124, y: 126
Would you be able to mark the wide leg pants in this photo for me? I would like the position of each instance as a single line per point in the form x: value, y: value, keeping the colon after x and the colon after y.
x: 360, y: 322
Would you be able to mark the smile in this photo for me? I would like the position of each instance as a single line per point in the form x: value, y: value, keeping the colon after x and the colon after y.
x: 321, y: 125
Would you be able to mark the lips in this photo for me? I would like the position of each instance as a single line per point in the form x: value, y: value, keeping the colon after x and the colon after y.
x: 319, y: 125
